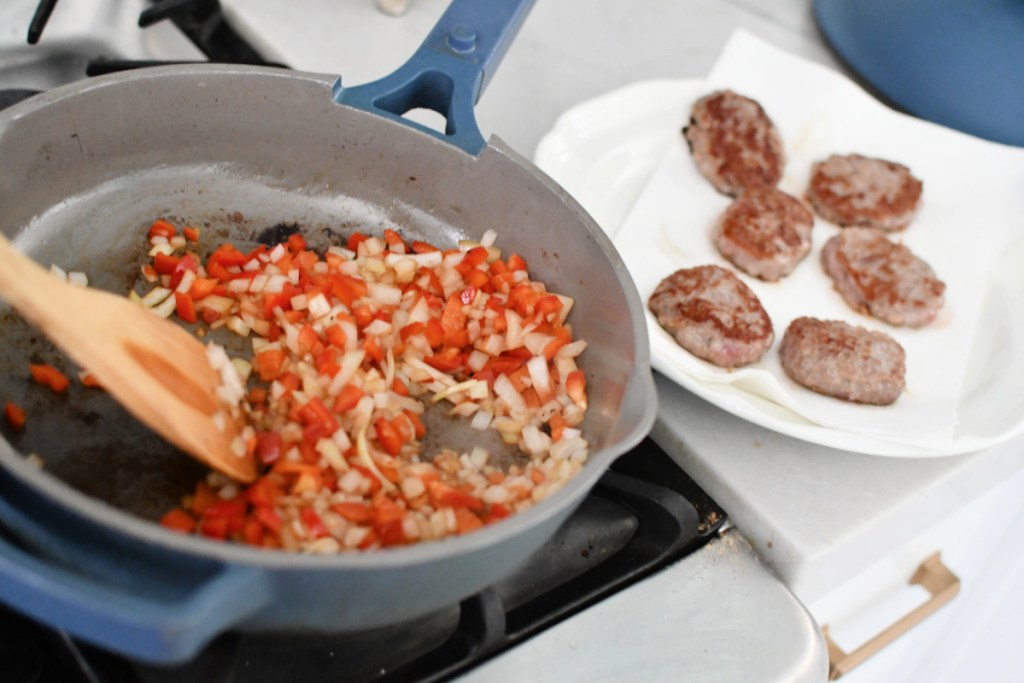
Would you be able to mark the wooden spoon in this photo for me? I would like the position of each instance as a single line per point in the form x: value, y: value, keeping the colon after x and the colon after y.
x: 152, y: 367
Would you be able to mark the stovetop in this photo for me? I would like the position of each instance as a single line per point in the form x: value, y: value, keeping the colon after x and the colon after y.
x: 644, y: 515
x: 44, y: 44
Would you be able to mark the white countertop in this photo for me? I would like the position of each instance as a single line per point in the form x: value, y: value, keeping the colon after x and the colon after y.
x: 704, y: 607
x: 819, y: 515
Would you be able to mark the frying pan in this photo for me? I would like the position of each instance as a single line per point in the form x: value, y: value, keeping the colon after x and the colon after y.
x: 249, y: 154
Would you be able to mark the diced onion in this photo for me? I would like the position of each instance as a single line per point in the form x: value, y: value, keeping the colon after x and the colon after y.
x: 165, y: 308
x: 155, y: 296
x: 386, y: 295
x: 319, y: 306
x: 538, y: 369
x: 276, y: 283
x: 187, y: 278
x: 481, y: 420
x: 238, y: 326
x: 259, y: 283
x: 505, y: 391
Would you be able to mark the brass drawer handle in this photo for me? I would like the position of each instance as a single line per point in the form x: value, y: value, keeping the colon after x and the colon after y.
x: 933, y: 576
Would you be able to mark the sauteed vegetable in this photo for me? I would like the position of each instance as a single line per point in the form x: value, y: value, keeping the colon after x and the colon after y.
x: 349, y: 348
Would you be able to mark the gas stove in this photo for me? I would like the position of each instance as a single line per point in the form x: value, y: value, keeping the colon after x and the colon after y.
x: 648, y: 559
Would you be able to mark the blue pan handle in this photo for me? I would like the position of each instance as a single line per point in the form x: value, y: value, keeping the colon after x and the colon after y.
x: 448, y: 72
x: 152, y: 623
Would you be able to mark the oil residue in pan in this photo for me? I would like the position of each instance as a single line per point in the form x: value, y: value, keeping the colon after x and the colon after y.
x: 83, y: 437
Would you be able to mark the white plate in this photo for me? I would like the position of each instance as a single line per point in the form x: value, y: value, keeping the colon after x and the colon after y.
x: 605, y: 151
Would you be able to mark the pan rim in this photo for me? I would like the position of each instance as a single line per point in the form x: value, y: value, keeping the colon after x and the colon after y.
x: 152, y: 534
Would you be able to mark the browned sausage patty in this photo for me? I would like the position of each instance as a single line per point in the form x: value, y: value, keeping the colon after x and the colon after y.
x: 712, y: 314
x: 765, y: 232
x: 840, y: 360
x: 859, y: 190
x: 734, y: 143
x: 882, y: 278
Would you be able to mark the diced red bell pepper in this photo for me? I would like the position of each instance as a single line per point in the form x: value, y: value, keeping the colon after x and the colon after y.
x: 466, y: 521
x: 576, y: 387
x: 354, y: 240
x: 305, y: 260
x: 179, y: 520
x: 372, y: 347
x: 164, y: 264
x: 161, y: 228
x: 282, y: 300
x: 253, y: 532
x: 478, y: 279
x: 268, y: 448
x: 187, y: 262
x: 388, y: 436
x: 393, y: 240
x: 202, y: 287
x: 390, y: 533
x: 49, y: 376
x: 16, y: 416
x: 268, y: 518
x: 308, y: 339
x: 225, y: 508
x: 516, y: 262
x: 417, y: 425
x: 357, y: 513
x: 399, y: 387
x: 185, y: 307
x: 296, y: 243
x: 314, y: 525
x: 410, y: 330
x: 454, y: 318
x: 214, y: 527
x: 269, y: 364
x: 434, y: 333
x: 363, y: 316
x: 449, y: 360
x: 348, y: 398
x: 388, y: 522
x: 312, y: 433
x: 203, y: 498
x: 336, y: 336
x: 420, y: 247
x: 315, y: 411
x: 446, y: 496
x: 549, y: 303
x: 562, y: 337
x: 225, y: 256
